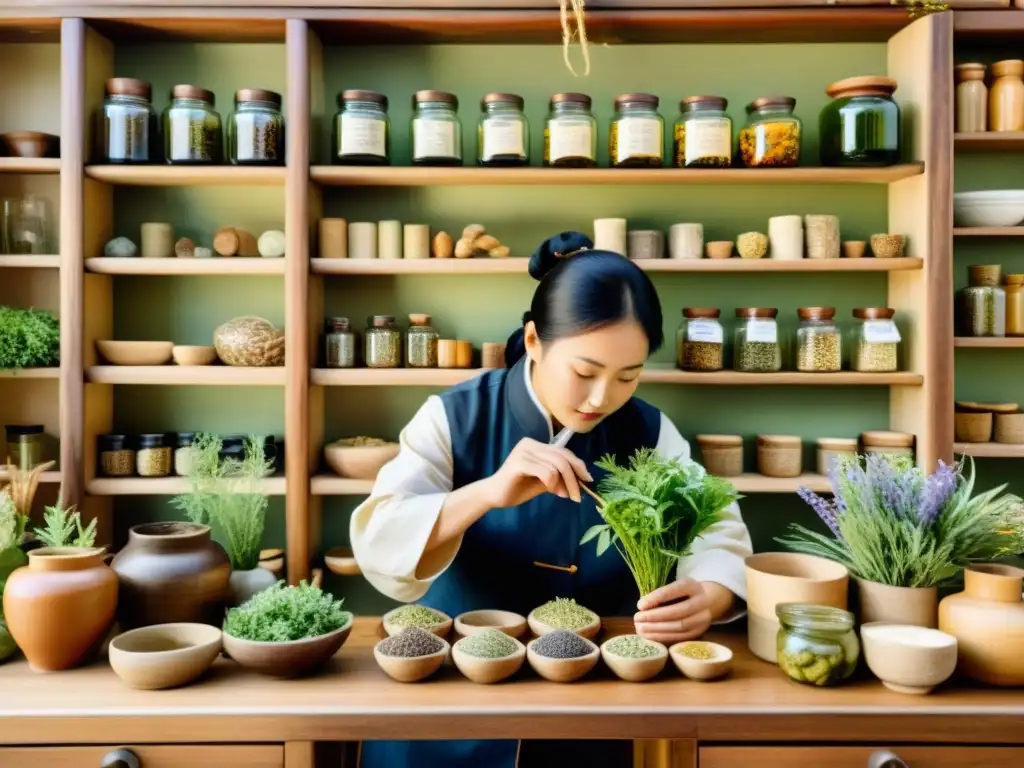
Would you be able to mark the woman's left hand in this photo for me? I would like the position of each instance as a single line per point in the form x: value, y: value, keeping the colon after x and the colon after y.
x: 676, y: 612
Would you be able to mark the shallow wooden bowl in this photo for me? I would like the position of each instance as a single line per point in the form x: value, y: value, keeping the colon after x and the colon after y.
x: 487, y: 671
x: 702, y: 669
x: 30, y: 144
x: 410, y: 670
x: 562, y: 670
x: 854, y: 249
x: 359, y: 462
x: 135, y: 352
x: 164, y: 655
x: 194, y: 355
x: 272, y: 560
x: 539, y: 628
x: 441, y: 629
x: 342, y: 561
x: 635, y: 670
x: 295, y: 658
x: 719, y: 249
x: 512, y: 624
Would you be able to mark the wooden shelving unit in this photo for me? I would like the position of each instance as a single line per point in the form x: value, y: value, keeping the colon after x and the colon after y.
x: 30, y: 262
x: 179, y: 267
x: 1004, y: 342
x: 988, y: 231
x: 186, y: 176
x: 160, y: 486
x: 990, y: 450
x: 29, y: 165
x: 200, y: 375
x: 995, y: 141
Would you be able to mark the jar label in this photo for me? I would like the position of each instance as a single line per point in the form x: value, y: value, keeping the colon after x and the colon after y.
x: 434, y: 138
x: 708, y: 137
x: 638, y: 137
x: 245, y: 138
x: 766, y: 331
x: 569, y: 141
x: 180, y: 141
x: 501, y: 137
x: 881, y: 332
x: 362, y: 136
x: 704, y: 330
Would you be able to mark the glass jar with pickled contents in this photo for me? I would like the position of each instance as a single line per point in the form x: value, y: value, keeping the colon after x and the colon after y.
x: 756, y: 346
x: 816, y: 644
x: 983, y: 302
x: 570, y: 133
x: 503, y: 135
x: 421, y: 343
x: 875, y: 341
x: 436, y: 130
x: 700, y: 341
x: 24, y: 445
x: 192, y: 128
x: 362, y: 130
x: 339, y: 343
x: 382, y: 343
x: 772, y: 134
x: 130, y: 133
x: 703, y: 133
x: 636, y: 135
x: 1014, y: 290
x: 256, y: 128
x: 861, y: 125
x: 819, y: 344
x: 117, y: 456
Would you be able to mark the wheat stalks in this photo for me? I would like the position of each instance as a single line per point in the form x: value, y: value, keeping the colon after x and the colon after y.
x: 23, y: 484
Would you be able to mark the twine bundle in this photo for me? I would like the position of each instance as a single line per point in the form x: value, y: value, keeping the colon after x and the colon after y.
x: 568, y: 34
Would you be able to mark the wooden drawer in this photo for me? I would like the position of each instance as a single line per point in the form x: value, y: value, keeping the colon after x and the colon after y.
x: 169, y: 756
x: 857, y: 757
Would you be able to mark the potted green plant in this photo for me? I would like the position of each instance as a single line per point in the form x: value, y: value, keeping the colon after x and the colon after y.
x: 63, y: 528
x: 225, y: 494
x: 29, y: 338
x: 902, y: 532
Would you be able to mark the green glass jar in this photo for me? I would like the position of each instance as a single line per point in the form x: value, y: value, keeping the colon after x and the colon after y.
x: 861, y: 125
x: 362, y: 131
x: 816, y: 644
x: 192, y: 127
x: 256, y: 128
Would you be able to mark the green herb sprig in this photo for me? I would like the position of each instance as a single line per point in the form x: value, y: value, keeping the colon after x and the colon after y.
x: 280, y: 614
x: 29, y: 338
x: 63, y: 528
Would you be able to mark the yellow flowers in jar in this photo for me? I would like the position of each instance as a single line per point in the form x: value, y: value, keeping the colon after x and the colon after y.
x: 771, y: 136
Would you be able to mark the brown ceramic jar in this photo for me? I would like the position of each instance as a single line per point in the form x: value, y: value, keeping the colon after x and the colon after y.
x: 60, y: 606
x: 171, y: 572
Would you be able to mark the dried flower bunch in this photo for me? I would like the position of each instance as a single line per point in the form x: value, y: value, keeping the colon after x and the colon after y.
x: 896, y: 525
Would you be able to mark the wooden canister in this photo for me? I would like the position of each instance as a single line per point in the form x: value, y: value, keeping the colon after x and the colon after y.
x: 389, y: 239
x: 157, y: 240
x: 971, y: 98
x: 645, y: 244
x: 610, y: 235
x: 786, y: 238
x: 333, y: 239
x: 779, y: 455
x: 492, y: 354
x: 822, y: 234
x: 686, y: 241
x: 1006, y: 97
x: 1008, y: 428
x: 362, y: 240
x: 248, y: 246
x: 225, y: 241
x: 463, y: 354
x: 447, y: 353
x: 417, y: 241
x: 722, y: 455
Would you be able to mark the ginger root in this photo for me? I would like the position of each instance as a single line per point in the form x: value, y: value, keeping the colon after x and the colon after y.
x: 476, y: 242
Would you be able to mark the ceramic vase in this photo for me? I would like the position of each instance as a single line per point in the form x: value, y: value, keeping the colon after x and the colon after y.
x: 918, y: 606
x: 245, y: 584
x: 987, y: 619
x: 60, y: 606
x: 171, y: 573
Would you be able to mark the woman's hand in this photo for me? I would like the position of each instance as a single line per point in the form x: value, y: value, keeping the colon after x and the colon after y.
x: 533, y: 468
x: 678, y: 611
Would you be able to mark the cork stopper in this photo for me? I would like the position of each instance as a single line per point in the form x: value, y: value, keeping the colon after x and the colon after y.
x: 984, y: 274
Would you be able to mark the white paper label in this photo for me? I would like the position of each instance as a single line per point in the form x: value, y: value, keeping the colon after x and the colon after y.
x: 433, y: 138
x: 245, y: 138
x: 638, y: 137
x: 180, y: 143
x: 881, y: 332
x: 502, y: 137
x: 362, y: 136
x: 704, y: 330
x: 766, y: 331
x: 569, y: 141
x: 708, y: 137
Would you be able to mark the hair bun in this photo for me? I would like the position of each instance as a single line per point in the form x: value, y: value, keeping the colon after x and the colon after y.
x: 553, y: 250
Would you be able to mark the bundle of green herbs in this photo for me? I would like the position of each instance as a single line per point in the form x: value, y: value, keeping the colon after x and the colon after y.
x: 281, y: 614
x: 29, y: 338
x: 225, y: 494
x: 653, y: 511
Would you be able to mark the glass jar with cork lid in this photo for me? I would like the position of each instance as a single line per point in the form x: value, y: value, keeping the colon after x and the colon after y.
x: 756, y: 347
x: 192, y: 127
x: 700, y: 341
x: 702, y: 137
x: 256, y: 128
x: 382, y: 343
x: 636, y: 135
x: 339, y: 343
x: 570, y: 133
x: 983, y: 302
x: 1013, y: 287
x: 503, y: 135
x: 887, y: 443
x: 129, y: 129
x: 362, y: 130
x: 421, y: 343
x: 435, y: 128
x: 861, y: 125
x: 874, y: 341
x: 771, y: 136
x: 819, y: 346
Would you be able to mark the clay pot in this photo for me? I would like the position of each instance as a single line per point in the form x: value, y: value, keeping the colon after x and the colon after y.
x: 987, y: 619
x: 898, y: 605
x: 60, y: 606
x: 171, y: 573
x: 245, y: 584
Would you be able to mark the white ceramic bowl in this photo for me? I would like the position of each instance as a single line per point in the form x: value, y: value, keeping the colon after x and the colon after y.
x: 989, y: 208
x: 906, y: 658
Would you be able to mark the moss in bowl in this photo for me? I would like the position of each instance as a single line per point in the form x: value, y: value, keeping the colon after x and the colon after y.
x: 286, y: 631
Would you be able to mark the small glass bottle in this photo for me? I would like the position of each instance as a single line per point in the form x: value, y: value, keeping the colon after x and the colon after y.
x: 971, y: 98
x: 819, y: 344
x: 503, y: 135
x: 1014, y: 289
x: 771, y: 136
x: 362, y: 130
x: 875, y: 341
x: 192, y: 129
x: 153, y: 457
x: 861, y: 125
x: 703, y: 133
x: 421, y: 343
x: 1006, y: 96
x: 983, y: 302
x: 339, y: 343
x: 117, y: 457
x: 130, y: 133
x: 436, y: 130
x: 570, y: 133
x: 757, y: 348
x: 700, y: 341
x: 382, y: 343
x: 183, y: 453
x: 256, y: 128
x: 636, y: 135
x: 816, y: 644
x: 24, y: 445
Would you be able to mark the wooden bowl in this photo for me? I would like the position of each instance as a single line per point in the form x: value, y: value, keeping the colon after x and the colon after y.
x: 194, y: 355
x: 635, y: 670
x: 487, y: 671
x: 164, y: 655
x: 539, y: 628
x: 702, y: 669
x: 441, y: 629
x: 908, y: 659
x: 342, y: 561
x: 972, y: 427
x: 136, y: 352
x: 719, y: 249
x: 272, y: 560
x: 411, y: 670
x: 359, y: 462
x: 854, y: 249
x: 291, y: 659
x: 562, y: 670
x: 471, y: 622
x: 888, y: 246
x: 30, y: 144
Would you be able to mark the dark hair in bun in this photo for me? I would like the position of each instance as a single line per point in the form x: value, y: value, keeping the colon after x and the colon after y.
x: 582, y: 290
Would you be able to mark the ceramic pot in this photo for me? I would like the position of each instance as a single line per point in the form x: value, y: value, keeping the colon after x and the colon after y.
x: 60, y: 606
x: 245, y: 584
x: 987, y: 619
x: 171, y: 573
x: 918, y: 606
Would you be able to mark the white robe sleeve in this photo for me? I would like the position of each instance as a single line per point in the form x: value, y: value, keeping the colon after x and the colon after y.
x: 719, y: 554
x: 390, y: 529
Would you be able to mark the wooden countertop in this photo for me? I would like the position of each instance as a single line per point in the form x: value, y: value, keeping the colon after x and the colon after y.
x: 354, y: 700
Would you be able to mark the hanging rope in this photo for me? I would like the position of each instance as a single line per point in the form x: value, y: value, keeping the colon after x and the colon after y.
x: 568, y: 35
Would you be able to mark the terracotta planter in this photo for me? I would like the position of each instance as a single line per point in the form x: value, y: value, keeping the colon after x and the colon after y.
x: 171, y: 573
x: 898, y: 605
x: 987, y: 619
x: 245, y: 584
x: 60, y: 606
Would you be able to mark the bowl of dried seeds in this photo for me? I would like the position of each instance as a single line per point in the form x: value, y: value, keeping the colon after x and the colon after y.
x: 562, y: 656
x: 488, y: 656
x: 634, y: 658
x: 417, y: 616
x: 411, y: 655
x: 564, y: 613
x: 701, y: 660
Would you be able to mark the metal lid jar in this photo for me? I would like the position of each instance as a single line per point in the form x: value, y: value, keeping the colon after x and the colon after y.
x: 771, y: 136
x: 816, y: 644
x: 339, y: 343
x: 153, y: 458
x: 861, y: 125
x: 421, y: 343
x: 436, y: 130
x: 819, y: 345
x: 700, y: 341
x: 703, y: 133
x: 503, y: 134
x: 382, y: 343
x: 192, y: 128
x: 129, y: 122
x: 116, y: 456
x: 570, y: 133
x: 756, y: 340
x: 362, y: 130
x: 875, y: 340
x: 636, y: 134
x: 256, y: 128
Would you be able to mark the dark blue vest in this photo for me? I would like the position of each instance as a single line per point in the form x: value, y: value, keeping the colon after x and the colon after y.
x: 497, y: 564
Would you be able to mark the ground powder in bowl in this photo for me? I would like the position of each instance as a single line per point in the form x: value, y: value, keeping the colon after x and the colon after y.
x: 561, y: 644
x: 489, y: 644
x: 632, y: 647
x: 564, y: 613
x: 415, y: 616
x: 410, y: 643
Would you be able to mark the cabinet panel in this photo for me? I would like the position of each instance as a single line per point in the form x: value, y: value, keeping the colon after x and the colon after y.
x: 857, y: 757
x: 149, y: 756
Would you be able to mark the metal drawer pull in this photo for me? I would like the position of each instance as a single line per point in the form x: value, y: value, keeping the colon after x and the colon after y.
x: 121, y: 758
x: 885, y: 758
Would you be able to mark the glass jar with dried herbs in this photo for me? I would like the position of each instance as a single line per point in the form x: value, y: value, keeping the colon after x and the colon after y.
x: 875, y: 341
x: 129, y: 130
x: 983, y: 302
x: 421, y: 343
x: 503, y: 135
x: 703, y: 133
x: 256, y: 128
x: 700, y: 341
x: 339, y: 343
x: 757, y: 348
x: 192, y: 127
x: 636, y: 134
x: 153, y: 457
x: 362, y: 130
x: 570, y: 133
x: 382, y: 343
x: 771, y: 136
x: 24, y: 445
x: 117, y: 456
x: 819, y: 346
x: 436, y: 129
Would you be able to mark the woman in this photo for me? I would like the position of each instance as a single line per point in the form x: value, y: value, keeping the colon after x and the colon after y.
x: 482, y: 508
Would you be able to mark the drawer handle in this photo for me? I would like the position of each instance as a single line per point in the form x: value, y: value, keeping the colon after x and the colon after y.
x: 885, y: 758
x: 121, y: 758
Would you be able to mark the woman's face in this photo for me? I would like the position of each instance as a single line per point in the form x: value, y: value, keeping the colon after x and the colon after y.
x: 582, y: 379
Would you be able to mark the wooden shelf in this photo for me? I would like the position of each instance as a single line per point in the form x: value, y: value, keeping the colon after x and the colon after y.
x: 518, y: 265
x: 160, y: 486
x: 354, y: 176
x: 199, y: 375
x: 47, y: 478
x: 30, y: 373
x: 988, y: 231
x: 30, y: 262
x: 988, y: 25
x: 1005, y: 342
x: 186, y: 175
x: 332, y: 485
x: 29, y: 165
x: 990, y: 141
x: 990, y: 450
x: 175, y: 266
